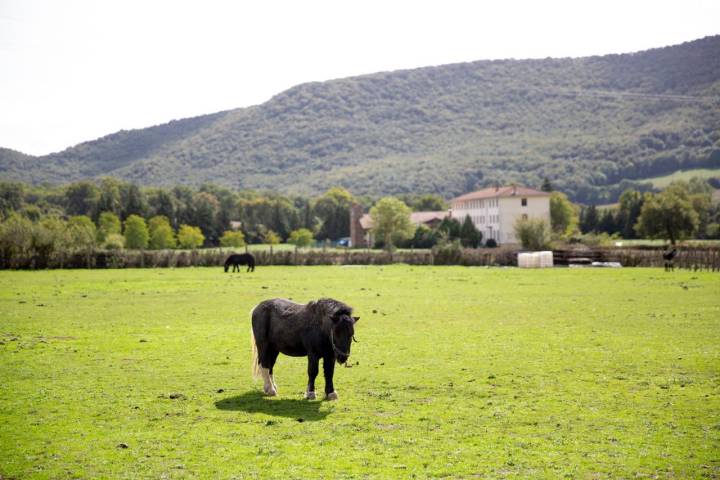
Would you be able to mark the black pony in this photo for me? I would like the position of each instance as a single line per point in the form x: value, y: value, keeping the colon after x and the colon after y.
x: 240, y: 259
x: 321, y: 329
x: 669, y: 258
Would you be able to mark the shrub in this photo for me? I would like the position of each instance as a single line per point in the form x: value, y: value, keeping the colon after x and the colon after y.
x: 301, y: 237
x: 114, y: 241
x: 447, y: 252
x: 271, y: 238
x: 424, y: 237
x: 596, y: 239
x: 491, y: 243
x: 533, y: 233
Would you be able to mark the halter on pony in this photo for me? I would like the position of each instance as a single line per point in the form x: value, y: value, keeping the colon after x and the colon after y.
x: 337, y: 350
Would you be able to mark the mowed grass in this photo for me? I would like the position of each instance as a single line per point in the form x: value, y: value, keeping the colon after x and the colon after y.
x: 459, y: 372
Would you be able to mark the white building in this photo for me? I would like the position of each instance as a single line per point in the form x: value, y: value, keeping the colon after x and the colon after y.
x: 495, y: 210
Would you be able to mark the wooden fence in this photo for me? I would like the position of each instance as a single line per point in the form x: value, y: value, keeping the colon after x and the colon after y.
x: 694, y: 258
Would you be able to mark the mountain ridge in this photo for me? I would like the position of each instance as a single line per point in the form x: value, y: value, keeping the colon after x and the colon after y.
x: 586, y: 123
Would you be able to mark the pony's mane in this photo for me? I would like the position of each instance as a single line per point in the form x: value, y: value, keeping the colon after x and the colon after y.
x: 329, y: 307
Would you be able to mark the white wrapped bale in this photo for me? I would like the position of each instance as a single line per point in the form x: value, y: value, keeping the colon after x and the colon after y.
x: 546, y: 259
x: 535, y: 260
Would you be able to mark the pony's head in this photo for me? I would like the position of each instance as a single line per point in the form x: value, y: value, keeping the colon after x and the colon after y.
x: 227, y: 265
x: 342, y: 334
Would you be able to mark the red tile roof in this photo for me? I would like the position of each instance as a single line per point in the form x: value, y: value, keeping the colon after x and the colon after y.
x: 366, y: 221
x: 425, y: 217
x: 415, y: 217
x: 493, y: 192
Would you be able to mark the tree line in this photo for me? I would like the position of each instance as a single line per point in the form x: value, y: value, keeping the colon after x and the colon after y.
x: 681, y: 211
x: 111, y: 214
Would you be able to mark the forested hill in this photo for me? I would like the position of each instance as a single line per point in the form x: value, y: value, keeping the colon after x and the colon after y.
x: 585, y: 123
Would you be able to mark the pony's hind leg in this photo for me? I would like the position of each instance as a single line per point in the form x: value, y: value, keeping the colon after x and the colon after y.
x: 267, y: 362
x: 267, y: 354
x: 273, y: 359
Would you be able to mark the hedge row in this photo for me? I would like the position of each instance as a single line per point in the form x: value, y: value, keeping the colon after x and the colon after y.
x: 691, y: 258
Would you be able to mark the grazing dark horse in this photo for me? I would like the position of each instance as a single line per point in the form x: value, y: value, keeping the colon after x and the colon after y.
x: 669, y: 259
x: 240, y: 259
x: 321, y: 329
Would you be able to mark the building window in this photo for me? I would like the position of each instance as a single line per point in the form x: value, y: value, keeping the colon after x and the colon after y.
x: 523, y: 202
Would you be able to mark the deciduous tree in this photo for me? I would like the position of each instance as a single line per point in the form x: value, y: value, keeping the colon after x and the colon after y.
x: 108, y: 224
x: 136, y: 232
x: 190, y: 237
x: 232, y: 238
x: 301, y: 237
x: 563, y: 214
x: 668, y: 215
x: 162, y: 235
x: 391, y: 221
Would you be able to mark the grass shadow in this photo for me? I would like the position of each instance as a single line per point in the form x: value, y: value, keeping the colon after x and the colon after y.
x: 256, y: 402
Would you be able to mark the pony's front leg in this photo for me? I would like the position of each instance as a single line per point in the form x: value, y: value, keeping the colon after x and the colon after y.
x: 313, y: 369
x: 328, y: 370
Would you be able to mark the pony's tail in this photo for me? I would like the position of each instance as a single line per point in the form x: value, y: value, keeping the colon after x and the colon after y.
x: 254, y: 362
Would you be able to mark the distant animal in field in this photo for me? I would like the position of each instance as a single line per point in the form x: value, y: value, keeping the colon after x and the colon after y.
x: 669, y: 258
x: 322, y: 329
x: 238, y: 259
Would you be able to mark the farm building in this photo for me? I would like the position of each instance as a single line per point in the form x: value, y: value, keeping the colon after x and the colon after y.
x: 495, y: 210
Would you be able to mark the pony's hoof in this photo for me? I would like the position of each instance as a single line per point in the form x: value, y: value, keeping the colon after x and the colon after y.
x: 331, y: 396
x: 270, y: 392
x: 309, y: 395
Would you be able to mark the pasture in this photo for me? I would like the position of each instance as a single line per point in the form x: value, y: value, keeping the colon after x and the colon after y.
x: 682, y: 175
x: 459, y: 372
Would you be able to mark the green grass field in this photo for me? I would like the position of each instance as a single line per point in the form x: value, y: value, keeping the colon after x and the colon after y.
x: 459, y: 372
x: 685, y: 175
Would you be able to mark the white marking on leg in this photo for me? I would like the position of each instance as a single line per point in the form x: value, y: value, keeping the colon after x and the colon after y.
x: 309, y: 395
x: 331, y: 396
x: 268, y: 387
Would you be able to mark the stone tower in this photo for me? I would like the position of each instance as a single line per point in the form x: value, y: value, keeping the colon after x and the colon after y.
x: 357, y: 234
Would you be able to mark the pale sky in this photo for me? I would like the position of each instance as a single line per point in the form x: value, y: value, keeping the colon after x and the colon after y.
x: 75, y: 70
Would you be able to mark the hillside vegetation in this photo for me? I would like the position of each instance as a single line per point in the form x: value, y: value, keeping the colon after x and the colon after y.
x: 587, y: 124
